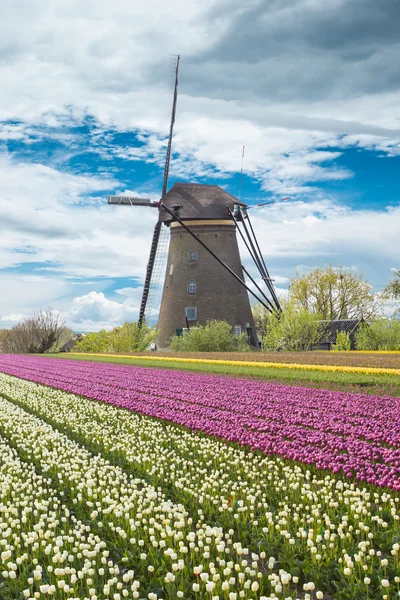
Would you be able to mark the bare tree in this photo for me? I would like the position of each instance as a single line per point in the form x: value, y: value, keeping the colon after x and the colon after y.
x: 4, y: 333
x: 37, y: 334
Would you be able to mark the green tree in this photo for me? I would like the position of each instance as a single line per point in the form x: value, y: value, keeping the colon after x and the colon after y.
x: 382, y: 334
x: 128, y: 337
x: 336, y: 293
x: 94, y: 342
x: 294, y: 329
x: 131, y: 338
x: 214, y: 336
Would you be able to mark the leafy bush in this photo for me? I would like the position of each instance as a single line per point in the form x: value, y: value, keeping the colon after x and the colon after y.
x: 127, y: 338
x: 214, y: 336
x: 293, y: 329
x: 382, y: 334
x: 343, y: 342
x: 94, y: 342
x: 131, y: 338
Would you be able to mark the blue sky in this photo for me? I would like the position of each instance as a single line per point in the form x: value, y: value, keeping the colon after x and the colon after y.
x: 310, y: 88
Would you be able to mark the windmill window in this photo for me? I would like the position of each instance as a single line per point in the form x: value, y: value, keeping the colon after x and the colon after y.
x: 193, y: 255
x: 192, y: 286
x: 238, y: 330
x: 191, y: 313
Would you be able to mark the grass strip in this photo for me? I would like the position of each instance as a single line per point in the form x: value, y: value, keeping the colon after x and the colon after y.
x: 268, y: 365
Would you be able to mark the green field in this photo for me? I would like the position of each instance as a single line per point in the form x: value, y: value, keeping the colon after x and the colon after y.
x: 369, y: 383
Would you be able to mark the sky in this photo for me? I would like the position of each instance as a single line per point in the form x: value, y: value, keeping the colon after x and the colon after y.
x: 311, y: 88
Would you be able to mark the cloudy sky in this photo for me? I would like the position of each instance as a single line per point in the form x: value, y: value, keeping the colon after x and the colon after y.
x: 310, y: 87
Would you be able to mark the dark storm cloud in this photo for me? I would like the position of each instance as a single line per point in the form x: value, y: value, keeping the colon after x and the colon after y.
x: 300, y: 49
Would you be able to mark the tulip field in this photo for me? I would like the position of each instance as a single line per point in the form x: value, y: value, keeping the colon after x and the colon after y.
x: 128, y: 482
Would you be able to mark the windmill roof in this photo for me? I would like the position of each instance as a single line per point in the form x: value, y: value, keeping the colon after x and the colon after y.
x: 197, y: 201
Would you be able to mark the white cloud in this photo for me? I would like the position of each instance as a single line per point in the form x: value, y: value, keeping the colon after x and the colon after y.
x: 12, y: 318
x: 94, y: 311
x: 22, y: 294
x: 321, y: 228
x: 41, y: 221
x: 298, y: 235
x: 128, y: 292
x: 282, y: 160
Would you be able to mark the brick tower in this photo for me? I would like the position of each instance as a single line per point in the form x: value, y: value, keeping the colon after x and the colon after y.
x: 197, y: 287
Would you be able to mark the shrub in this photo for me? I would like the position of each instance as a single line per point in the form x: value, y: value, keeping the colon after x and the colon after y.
x: 214, y: 336
x: 126, y: 338
x: 293, y: 329
x: 131, y: 338
x: 94, y: 342
x: 382, y: 334
x: 343, y: 342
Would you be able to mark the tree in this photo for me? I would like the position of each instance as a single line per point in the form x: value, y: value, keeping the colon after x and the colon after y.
x: 294, y: 329
x: 97, y: 342
x: 382, y: 334
x: 131, y: 338
x: 336, y: 293
x: 260, y: 316
x: 37, y: 334
x: 393, y: 288
x: 66, y: 335
x: 214, y: 336
x: 3, y: 337
x: 126, y: 338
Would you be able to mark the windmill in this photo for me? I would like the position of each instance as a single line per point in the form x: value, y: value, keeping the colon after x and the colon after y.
x: 204, y: 278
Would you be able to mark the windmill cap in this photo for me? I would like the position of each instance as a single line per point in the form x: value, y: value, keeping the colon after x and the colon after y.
x: 197, y: 201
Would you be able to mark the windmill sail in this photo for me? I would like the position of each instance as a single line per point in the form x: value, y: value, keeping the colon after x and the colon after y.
x: 157, y: 229
x: 160, y: 263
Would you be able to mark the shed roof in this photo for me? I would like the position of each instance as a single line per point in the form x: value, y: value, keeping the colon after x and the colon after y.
x: 332, y: 328
x: 197, y: 201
